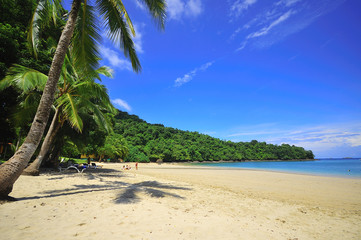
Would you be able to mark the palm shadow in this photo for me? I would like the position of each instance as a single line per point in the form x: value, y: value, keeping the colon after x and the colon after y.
x: 152, y: 188
x: 129, y: 193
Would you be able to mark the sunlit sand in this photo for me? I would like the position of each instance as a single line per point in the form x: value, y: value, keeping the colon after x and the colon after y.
x: 172, y: 201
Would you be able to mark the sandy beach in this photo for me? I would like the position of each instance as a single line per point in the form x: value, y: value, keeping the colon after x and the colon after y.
x: 172, y: 201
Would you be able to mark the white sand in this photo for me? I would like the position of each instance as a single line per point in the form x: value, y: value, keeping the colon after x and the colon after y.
x: 171, y: 201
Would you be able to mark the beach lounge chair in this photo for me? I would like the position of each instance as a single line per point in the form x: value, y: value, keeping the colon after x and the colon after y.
x: 96, y: 166
x: 70, y: 165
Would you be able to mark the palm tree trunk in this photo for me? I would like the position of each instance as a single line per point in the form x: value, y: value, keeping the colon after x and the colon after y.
x: 12, y: 169
x: 33, y: 168
x: 53, y: 157
x: 18, y: 142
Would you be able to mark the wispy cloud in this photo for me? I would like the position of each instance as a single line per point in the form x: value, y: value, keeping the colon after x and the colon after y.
x: 263, y: 31
x: 177, y: 9
x: 140, y: 4
x: 189, y: 76
x: 287, y: 2
x: 239, y: 6
x: 138, y: 42
x: 114, y: 60
x: 266, y: 29
x: 194, y: 7
x: 277, y: 20
x: 292, y: 58
x: 344, y: 138
x: 122, y: 104
x: 209, y: 133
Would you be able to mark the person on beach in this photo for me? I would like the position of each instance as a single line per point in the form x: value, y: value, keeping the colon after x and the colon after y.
x: 136, y: 166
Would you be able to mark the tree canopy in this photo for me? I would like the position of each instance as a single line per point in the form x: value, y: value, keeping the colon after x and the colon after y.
x: 169, y: 144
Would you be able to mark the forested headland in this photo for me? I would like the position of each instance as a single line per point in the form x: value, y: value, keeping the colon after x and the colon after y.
x: 150, y: 142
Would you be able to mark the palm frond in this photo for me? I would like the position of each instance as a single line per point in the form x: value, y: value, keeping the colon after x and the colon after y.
x: 46, y: 11
x: 119, y: 31
x: 34, y: 29
x: 69, y: 72
x: 102, y: 120
x: 24, y: 79
x: 70, y: 110
x: 105, y: 71
x: 97, y: 92
x: 26, y: 109
x: 157, y: 9
x: 85, y: 40
x: 95, y: 101
x: 126, y: 16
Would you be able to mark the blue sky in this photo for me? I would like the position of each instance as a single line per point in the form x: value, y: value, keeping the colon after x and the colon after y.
x: 282, y: 71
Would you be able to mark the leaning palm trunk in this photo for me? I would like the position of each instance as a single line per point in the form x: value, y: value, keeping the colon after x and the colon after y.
x: 12, y: 169
x: 33, y: 168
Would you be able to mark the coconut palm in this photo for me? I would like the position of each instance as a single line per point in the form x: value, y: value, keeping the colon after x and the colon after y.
x: 77, y: 92
x: 115, y: 146
x: 81, y: 17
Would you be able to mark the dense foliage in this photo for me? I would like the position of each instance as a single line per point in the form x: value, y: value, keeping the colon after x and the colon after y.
x: 14, y: 20
x: 168, y: 144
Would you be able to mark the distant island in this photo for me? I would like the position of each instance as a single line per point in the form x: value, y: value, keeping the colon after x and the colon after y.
x: 152, y: 142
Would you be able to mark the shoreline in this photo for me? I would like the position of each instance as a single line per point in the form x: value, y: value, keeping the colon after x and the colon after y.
x: 195, y: 166
x: 277, y: 181
x: 171, y: 201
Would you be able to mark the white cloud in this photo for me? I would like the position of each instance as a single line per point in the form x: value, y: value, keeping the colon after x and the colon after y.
x: 275, y: 21
x: 239, y: 6
x: 342, y: 141
x: 265, y: 30
x: 205, y: 66
x: 242, y: 46
x: 287, y: 3
x: 177, y: 9
x: 182, y: 80
x: 209, y: 133
x: 189, y: 76
x: 113, y: 58
x: 355, y: 140
x: 194, y: 7
x: 328, y: 140
x: 122, y: 104
x: 138, y: 43
x: 140, y: 4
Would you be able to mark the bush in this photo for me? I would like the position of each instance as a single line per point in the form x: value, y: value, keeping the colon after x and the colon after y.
x: 136, y: 156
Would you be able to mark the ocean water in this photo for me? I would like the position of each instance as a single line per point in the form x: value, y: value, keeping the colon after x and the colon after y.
x: 325, y: 167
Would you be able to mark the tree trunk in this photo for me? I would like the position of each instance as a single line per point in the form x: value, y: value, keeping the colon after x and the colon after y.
x: 12, y: 169
x: 33, y: 168
x: 18, y: 142
x: 53, y: 160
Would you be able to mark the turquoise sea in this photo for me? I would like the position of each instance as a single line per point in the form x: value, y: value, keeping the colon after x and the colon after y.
x: 340, y: 167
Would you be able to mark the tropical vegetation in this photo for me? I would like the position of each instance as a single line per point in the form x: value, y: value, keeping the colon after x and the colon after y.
x: 77, y: 94
x: 152, y: 142
x: 81, y: 33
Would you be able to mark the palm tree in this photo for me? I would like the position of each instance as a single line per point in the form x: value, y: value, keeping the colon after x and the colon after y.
x: 115, y: 146
x: 82, y: 18
x: 76, y: 92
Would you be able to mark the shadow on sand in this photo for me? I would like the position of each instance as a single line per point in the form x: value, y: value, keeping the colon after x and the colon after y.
x: 125, y: 193
x: 151, y: 188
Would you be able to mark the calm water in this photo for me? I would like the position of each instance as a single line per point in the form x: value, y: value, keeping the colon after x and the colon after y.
x: 328, y: 167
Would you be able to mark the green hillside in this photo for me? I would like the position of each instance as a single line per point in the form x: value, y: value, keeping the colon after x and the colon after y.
x: 154, y: 141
